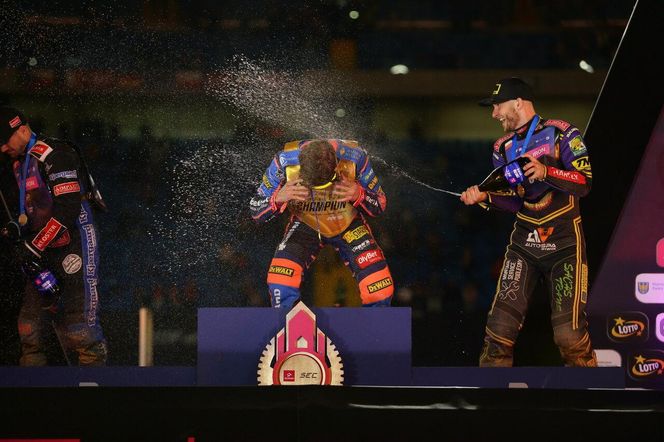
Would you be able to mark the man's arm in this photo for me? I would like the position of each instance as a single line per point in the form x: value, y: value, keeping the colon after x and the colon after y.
x: 371, y: 198
x: 507, y: 200
x: 262, y: 205
x: 273, y: 194
x: 576, y: 176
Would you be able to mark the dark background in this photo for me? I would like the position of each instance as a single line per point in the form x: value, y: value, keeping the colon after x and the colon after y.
x: 153, y: 93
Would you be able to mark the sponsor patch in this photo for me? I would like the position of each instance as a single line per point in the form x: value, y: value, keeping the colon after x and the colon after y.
x: 582, y: 164
x: 31, y: 183
x: 560, y: 124
x: 500, y: 141
x: 540, y: 150
x: 373, y: 182
x: 72, y: 263
x: 267, y: 182
x: 280, y: 270
x: 379, y: 285
x: 15, y: 122
x: 355, y: 234
x: 361, y: 246
x: 537, y: 239
x: 64, y: 188
x: 63, y: 174
x: 511, y: 279
x: 259, y: 202
x: 47, y: 234
x: 40, y: 151
x: 566, y: 175
x: 369, y: 257
x: 577, y: 146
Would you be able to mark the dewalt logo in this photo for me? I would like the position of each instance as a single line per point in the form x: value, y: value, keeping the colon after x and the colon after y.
x: 354, y: 234
x: 379, y: 285
x: 279, y: 270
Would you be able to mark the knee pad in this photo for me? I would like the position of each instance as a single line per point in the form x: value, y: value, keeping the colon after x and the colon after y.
x: 87, y: 342
x: 283, y: 280
x: 377, y: 288
x: 27, y: 329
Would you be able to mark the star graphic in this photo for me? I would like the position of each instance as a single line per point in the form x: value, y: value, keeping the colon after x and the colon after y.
x: 619, y: 321
x: 640, y: 359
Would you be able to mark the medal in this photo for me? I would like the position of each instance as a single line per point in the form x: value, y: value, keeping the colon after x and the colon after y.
x: 520, y: 190
x: 22, y: 219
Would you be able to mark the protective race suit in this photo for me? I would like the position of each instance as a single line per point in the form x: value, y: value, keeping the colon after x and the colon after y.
x: 322, y: 221
x: 61, y: 228
x: 547, y: 241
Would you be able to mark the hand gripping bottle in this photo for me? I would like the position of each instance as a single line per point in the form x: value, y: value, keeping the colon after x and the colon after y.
x: 504, y: 177
x: 45, y: 282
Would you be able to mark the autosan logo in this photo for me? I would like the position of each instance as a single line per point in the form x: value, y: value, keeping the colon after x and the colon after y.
x: 660, y: 252
x: 538, y: 237
x: 627, y: 327
x: 647, y: 365
x: 649, y: 288
x: 659, y: 327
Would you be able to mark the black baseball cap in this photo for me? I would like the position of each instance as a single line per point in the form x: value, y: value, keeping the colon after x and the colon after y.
x: 10, y: 120
x: 509, y: 89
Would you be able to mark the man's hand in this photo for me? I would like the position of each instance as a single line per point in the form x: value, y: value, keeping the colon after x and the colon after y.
x: 292, y: 190
x: 534, y: 170
x: 348, y: 191
x: 26, y: 253
x: 11, y: 231
x: 472, y: 195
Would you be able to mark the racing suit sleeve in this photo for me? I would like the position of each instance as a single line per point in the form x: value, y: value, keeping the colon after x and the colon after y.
x: 372, y: 199
x: 62, y: 178
x: 263, y: 206
x: 576, y: 177
x: 507, y: 200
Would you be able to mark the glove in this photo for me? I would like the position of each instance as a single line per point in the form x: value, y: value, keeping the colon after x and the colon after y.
x: 42, y: 278
x: 11, y: 231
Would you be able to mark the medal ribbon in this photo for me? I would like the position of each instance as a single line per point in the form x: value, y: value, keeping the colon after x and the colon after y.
x: 531, y: 129
x: 24, y: 174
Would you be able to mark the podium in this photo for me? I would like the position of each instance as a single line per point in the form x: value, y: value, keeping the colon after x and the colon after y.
x: 374, y: 343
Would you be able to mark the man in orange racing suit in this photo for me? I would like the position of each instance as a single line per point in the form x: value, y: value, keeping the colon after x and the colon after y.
x: 547, y: 241
x: 328, y: 186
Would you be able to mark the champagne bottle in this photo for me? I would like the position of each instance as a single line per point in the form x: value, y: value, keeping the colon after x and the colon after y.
x: 504, y: 177
x: 45, y: 282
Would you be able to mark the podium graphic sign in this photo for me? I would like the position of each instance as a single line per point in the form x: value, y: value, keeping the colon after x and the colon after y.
x: 300, y: 354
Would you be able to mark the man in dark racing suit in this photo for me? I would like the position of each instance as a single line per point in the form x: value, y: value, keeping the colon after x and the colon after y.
x: 547, y: 240
x: 328, y: 186
x: 55, y: 229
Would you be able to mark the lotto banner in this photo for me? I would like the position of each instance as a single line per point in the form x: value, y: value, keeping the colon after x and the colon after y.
x: 626, y: 304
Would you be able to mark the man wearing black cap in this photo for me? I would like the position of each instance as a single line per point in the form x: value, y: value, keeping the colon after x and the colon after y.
x: 56, y: 243
x: 547, y: 241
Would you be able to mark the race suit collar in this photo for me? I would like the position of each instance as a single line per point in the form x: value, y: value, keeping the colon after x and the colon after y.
x: 522, y: 129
